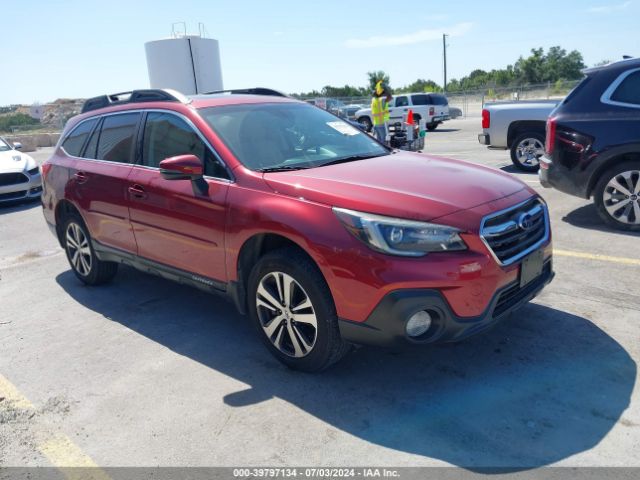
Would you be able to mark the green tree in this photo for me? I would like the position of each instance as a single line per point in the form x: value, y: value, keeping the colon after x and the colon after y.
x: 375, y: 76
x: 16, y: 120
x: 420, y: 85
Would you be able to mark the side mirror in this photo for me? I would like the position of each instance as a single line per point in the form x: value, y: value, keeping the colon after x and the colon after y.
x: 182, y: 167
x: 17, y: 146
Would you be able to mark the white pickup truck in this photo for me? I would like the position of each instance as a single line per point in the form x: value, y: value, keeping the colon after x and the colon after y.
x: 429, y: 109
x: 519, y: 127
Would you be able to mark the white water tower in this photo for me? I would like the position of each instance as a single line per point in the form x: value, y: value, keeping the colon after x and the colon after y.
x: 189, y: 64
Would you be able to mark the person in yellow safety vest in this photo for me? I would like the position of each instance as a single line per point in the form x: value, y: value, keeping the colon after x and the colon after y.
x: 380, y: 112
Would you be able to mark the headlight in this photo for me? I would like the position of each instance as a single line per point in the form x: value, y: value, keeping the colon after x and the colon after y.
x: 400, y: 237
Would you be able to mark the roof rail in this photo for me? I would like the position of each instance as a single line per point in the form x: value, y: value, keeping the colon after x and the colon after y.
x: 135, y: 96
x: 251, y: 91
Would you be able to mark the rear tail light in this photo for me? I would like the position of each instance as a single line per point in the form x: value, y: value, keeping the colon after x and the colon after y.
x: 486, y: 118
x: 45, y: 167
x: 550, y: 141
x: 432, y: 111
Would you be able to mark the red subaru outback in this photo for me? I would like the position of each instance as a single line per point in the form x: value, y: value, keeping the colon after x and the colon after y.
x: 322, y: 235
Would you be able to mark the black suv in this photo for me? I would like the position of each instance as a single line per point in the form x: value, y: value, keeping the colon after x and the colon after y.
x: 593, y: 143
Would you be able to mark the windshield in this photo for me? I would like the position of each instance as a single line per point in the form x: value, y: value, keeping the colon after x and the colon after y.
x: 288, y: 136
x: 4, y: 146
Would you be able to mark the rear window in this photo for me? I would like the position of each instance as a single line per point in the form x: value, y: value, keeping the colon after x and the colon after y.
x: 629, y: 90
x: 576, y: 90
x: 116, y: 137
x: 74, y: 142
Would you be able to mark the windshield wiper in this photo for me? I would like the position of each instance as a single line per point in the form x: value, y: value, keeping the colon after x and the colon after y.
x: 281, y: 168
x: 352, y: 158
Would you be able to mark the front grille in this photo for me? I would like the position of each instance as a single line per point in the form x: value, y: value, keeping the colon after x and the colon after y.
x: 13, y: 195
x: 513, y: 233
x: 514, y: 294
x: 12, y: 179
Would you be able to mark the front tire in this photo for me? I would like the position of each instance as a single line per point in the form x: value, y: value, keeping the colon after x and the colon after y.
x: 617, y: 196
x: 366, y: 122
x: 292, y: 309
x: 82, y: 258
x: 526, y: 151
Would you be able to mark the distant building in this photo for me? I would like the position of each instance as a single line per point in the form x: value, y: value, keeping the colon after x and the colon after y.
x: 36, y: 111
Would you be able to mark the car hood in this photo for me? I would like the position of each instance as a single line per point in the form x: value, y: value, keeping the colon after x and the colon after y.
x: 14, y: 161
x: 404, y: 185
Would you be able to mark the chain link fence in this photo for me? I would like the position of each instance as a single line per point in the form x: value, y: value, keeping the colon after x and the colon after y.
x: 470, y: 102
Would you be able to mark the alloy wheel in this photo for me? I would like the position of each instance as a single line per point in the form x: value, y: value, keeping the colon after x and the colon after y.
x: 286, y: 314
x: 621, y: 197
x: 78, y: 249
x: 529, y: 151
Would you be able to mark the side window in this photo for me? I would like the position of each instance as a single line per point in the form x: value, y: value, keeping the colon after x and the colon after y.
x: 74, y: 142
x: 116, y: 137
x: 402, y: 101
x: 92, y: 144
x: 629, y: 90
x: 166, y: 135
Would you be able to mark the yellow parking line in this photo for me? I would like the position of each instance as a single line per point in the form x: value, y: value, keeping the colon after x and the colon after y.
x: 595, y: 256
x: 58, y: 448
x: 12, y: 396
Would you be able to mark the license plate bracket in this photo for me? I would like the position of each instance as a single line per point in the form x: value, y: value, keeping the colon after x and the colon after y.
x: 531, y: 267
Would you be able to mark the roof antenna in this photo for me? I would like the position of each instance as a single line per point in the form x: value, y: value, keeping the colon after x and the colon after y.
x: 626, y: 57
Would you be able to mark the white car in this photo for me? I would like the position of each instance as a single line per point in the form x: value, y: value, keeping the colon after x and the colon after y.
x: 19, y: 174
x: 429, y: 110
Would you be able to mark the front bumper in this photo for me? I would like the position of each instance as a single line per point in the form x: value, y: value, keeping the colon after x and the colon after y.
x: 30, y: 189
x: 386, y: 324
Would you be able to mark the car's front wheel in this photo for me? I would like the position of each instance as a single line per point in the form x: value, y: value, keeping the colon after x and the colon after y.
x: 82, y: 258
x: 617, y: 196
x: 293, y: 311
x: 366, y: 123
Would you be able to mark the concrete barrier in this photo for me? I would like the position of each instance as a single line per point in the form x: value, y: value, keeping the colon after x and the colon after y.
x: 30, y: 142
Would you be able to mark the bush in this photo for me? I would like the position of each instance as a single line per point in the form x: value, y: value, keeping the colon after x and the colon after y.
x: 16, y: 120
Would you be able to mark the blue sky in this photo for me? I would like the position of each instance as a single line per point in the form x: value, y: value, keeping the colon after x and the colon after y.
x: 73, y: 48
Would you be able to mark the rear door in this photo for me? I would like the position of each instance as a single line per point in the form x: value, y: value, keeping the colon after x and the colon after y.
x: 174, y: 225
x: 100, y: 179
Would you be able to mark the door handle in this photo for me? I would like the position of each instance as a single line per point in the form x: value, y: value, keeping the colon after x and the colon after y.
x: 80, y: 177
x: 137, y: 191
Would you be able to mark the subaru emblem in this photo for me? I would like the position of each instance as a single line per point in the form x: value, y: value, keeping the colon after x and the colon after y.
x: 525, y: 222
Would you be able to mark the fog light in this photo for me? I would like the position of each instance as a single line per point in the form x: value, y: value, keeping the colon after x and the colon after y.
x: 418, y: 323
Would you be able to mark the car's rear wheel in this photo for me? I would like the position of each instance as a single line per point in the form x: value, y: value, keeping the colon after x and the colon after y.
x: 366, y: 122
x: 617, y: 196
x: 432, y: 126
x: 526, y: 151
x: 293, y: 311
x: 82, y: 258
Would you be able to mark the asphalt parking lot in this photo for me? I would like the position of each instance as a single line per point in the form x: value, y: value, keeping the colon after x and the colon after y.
x: 145, y: 372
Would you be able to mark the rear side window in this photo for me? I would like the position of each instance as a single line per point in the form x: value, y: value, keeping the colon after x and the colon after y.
x: 439, y: 99
x: 420, y: 99
x: 166, y: 135
x: 629, y: 90
x: 92, y: 144
x: 74, y: 142
x: 116, y: 137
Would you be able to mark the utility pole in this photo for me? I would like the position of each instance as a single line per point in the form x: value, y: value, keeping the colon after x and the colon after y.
x: 444, y: 50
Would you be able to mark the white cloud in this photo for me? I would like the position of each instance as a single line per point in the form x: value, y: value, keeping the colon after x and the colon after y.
x: 610, y: 8
x: 409, y: 38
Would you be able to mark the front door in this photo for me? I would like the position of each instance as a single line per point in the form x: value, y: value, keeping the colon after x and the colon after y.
x: 173, y: 224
